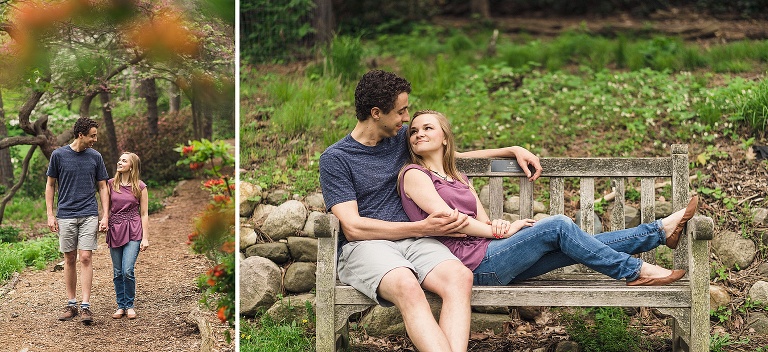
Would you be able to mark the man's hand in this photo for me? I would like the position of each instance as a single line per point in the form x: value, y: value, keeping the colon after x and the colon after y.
x: 104, y: 224
x: 526, y: 158
x: 53, y: 224
x: 443, y: 223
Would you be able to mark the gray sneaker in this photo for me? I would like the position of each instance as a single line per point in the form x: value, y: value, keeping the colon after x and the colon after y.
x: 87, y: 316
x: 68, y: 313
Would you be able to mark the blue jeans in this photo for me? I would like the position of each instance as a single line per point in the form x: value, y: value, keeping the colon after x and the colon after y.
x: 557, y: 241
x: 123, y: 261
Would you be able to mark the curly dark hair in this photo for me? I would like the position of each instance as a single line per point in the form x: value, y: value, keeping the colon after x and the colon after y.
x: 378, y: 89
x: 83, y: 125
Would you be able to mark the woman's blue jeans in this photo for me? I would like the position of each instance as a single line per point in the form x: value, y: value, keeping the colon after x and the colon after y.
x: 123, y: 262
x: 557, y: 241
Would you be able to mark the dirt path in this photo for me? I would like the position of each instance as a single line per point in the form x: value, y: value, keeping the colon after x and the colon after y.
x: 166, y: 294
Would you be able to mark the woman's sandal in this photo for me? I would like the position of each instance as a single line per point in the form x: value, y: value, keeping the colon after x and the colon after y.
x: 118, y: 314
x: 674, y: 238
x: 131, y: 314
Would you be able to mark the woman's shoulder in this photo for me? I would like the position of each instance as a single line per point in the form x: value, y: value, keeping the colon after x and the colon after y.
x: 415, y: 166
x: 142, y: 185
x: 111, y: 181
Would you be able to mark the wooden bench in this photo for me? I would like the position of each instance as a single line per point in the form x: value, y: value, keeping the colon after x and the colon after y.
x: 686, y: 300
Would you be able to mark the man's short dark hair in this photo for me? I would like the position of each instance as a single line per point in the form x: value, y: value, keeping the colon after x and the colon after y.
x: 83, y: 125
x: 378, y: 89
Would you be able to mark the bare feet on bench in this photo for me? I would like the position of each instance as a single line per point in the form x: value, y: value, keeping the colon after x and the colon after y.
x: 654, y: 275
x: 673, y: 225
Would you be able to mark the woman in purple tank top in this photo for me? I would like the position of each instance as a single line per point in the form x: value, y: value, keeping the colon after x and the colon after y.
x: 127, y: 231
x: 499, y: 252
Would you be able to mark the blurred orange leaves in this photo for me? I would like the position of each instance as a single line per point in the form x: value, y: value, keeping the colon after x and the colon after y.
x: 161, y: 32
x: 164, y: 36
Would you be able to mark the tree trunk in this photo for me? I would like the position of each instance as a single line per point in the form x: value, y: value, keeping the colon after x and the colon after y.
x: 481, y: 7
x: 6, y: 168
x: 109, y: 126
x: 148, y: 91
x: 85, y: 104
x: 208, y: 121
x: 324, y: 21
x: 174, y: 103
x: 12, y: 191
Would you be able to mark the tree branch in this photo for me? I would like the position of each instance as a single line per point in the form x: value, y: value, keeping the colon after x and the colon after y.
x: 85, y: 105
x: 22, y: 140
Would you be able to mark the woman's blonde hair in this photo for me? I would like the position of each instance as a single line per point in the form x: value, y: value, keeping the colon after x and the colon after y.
x: 133, y: 175
x: 449, y: 152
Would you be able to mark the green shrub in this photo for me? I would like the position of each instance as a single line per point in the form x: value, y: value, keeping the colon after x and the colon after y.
x: 158, y: 159
x: 10, y: 263
x: 754, y: 110
x: 271, y: 336
x: 604, y: 329
x: 154, y: 206
x: 9, y: 234
x: 345, y: 57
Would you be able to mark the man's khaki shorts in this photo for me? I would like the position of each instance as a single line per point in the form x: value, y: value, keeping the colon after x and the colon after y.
x: 78, y: 233
x: 362, y: 264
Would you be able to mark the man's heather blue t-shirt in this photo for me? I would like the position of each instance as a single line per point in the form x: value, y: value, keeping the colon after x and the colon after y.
x: 77, y: 174
x: 350, y: 170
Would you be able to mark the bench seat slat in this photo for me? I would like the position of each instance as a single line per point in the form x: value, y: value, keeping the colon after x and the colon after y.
x: 672, y: 296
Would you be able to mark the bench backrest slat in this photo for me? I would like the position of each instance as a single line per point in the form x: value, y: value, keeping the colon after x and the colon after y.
x: 556, y: 195
x: 587, y: 202
x: 617, y: 212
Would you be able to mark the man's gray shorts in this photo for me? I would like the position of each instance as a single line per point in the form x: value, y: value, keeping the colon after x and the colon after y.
x: 362, y: 264
x: 78, y: 233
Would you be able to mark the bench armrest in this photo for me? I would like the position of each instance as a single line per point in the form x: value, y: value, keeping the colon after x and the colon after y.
x: 703, y: 228
x: 327, y: 225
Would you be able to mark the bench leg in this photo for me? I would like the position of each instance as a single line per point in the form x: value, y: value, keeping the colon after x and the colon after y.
x: 678, y: 337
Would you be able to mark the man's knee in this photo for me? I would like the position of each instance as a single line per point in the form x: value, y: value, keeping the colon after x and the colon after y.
x: 461, y: 279
x: 449, y: 278
x: 70, y: 258
x: 401, y: 283
x: 85, y: 258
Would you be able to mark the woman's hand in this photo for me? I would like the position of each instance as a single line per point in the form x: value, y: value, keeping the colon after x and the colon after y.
x: 144, y: 244
x: 508, y: 228
x: 499, y: 227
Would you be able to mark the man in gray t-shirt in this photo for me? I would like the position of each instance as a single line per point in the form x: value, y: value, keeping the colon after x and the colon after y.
x: 80, y: 172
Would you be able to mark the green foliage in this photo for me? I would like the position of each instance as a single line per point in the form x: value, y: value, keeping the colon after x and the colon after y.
x: 9, y: 234
x: 25, y: 210
x: 196, y: 154
x: 345, y: 58
x: 275, y: 30
x: 717, y: 342
x: 270, y: 336
x: 37, y: 253
x: 214, y: 233
x: 9, y: 264
x: 603, y: 329
x: 721, y: 314
x: 754, y: 110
